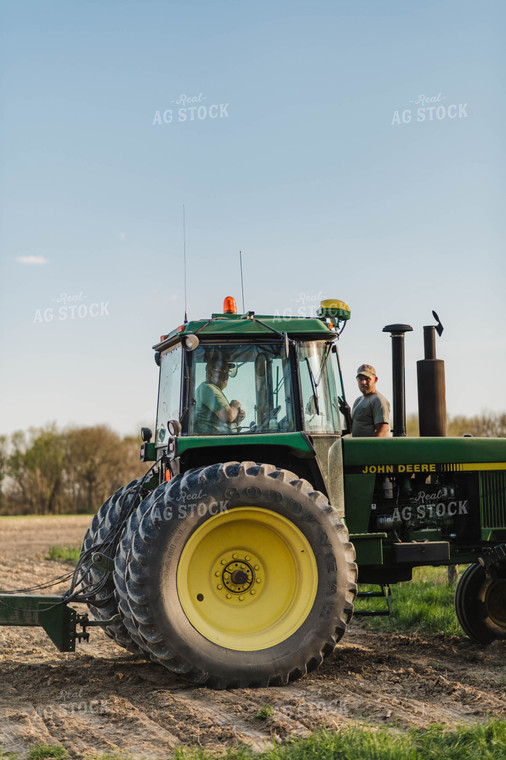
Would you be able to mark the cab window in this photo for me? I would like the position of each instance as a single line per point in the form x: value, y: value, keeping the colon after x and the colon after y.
x: 169, y: 392
x: 257, y: 378
x: 319, y: 386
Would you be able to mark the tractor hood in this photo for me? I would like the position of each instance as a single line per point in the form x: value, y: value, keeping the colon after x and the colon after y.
x: 423, y: 455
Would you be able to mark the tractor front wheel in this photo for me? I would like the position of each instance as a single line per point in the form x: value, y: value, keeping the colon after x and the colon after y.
x: 237, y: 575
x: 480, y: 603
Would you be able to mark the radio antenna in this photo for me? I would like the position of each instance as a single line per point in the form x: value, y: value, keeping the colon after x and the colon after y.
x: 184, y: 261
x: 242, y: 282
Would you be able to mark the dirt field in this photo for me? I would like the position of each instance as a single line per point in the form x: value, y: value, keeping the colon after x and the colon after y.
x: 102, y: 699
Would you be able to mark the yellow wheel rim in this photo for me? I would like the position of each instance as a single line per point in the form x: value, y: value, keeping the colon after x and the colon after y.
x: 247, y: 579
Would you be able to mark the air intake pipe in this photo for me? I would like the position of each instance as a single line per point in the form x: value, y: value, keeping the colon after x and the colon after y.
x: 431, y: 385
x: 399, y: 396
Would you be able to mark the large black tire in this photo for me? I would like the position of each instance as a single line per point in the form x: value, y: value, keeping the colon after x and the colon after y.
x: 120, y: 572
x: 480, y: 603
x: 106, y: 529
x: 236, y: 575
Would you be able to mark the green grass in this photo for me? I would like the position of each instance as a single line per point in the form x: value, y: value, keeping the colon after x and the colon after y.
x: 486, y: 742
x: 466, y: 742
x: 265, y: 712
x: 423, y: 605
x: 68, y: 554
x: 43, y: 751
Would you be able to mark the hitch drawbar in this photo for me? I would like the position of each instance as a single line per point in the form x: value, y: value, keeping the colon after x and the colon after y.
x: 59, y: 621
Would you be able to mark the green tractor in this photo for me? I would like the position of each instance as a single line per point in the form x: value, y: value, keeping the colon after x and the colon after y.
x: 233, y: 561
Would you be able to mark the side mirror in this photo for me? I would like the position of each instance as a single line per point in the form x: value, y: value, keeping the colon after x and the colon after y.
x: 146, y: 434
x: 157, y: 358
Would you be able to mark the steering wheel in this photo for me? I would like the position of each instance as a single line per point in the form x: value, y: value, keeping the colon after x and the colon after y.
x: 271, y: 415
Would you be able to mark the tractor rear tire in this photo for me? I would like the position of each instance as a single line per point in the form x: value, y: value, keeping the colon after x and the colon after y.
x: 106, y: 529
x: 480, y: 603
x: 237, y: 575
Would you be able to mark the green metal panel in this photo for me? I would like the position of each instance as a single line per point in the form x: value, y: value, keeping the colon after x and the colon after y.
x: 495, y: 534
x: 148, y: 452
x: 293, y: 441
x: 50, y: 612
x: 358, y: 496
x: 238, y: 325
x: 368, y: 547
x: 361, y: 455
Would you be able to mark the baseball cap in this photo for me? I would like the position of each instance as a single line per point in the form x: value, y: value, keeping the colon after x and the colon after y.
x: 367, y: 370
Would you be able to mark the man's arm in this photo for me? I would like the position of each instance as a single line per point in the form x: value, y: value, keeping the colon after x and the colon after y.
x: 230, y: 413
x: 381, y: 416
x: 381, y: 430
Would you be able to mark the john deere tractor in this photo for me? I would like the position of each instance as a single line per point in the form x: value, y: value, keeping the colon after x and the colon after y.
x: 233, y: 562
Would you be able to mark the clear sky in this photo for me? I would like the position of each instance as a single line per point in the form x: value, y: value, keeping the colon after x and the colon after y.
x: 350, y: 150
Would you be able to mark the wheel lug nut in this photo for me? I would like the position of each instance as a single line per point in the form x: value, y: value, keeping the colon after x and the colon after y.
x: 228, y: 596
x: 217, y: 573
x: 246, y: 557
x: 241, y: 598
x: 257, y: 567
x: 223, y: 561
x: 219, y: 586
x: 252, y: 592
x: 259, y: 580
x: 234, y: 556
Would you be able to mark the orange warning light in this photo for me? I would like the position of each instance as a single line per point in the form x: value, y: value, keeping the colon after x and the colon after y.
x: 229, y: 305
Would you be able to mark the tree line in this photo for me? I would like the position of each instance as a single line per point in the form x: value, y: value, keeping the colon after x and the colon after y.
x: 47, y: 471
x: 485, y: 425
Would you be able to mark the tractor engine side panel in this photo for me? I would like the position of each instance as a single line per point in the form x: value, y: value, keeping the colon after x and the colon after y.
x: 425, y: 490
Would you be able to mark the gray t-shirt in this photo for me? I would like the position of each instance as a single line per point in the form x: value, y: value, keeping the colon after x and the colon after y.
x: 210, y: 399
x: 369, y: 411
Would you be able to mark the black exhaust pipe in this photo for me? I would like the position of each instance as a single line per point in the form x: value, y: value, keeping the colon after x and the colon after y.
x: 431, y: 385
x: 398, y: 392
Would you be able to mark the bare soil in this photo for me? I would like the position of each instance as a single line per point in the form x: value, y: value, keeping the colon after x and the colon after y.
x: 102, y: 699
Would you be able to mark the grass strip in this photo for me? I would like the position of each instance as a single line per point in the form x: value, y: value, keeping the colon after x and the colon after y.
x: 486, y: 742
x: 69, y: 554
x: 423, y: 605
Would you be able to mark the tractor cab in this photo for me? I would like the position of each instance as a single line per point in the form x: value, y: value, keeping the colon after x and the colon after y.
x: 281, y: 372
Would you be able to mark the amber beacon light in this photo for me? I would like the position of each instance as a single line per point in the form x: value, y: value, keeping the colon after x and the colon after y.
x: 229, y: 305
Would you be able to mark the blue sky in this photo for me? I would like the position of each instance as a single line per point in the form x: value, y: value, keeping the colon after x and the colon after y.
x: 311, y: 167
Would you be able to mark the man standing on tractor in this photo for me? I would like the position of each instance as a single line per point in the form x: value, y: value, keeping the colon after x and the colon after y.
x: 215, y: 414
x: 371, y: 411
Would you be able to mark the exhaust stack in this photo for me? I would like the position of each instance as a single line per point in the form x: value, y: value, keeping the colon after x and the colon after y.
x: 431, y: 385
x: 398, y: 392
